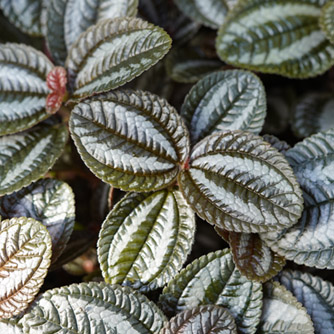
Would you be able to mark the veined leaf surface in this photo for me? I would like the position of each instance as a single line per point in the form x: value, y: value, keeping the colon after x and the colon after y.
x: 24, y: 260
x: 11, y: 326
x: 51, y: 202
x: 93, y: 308
x: 213, y: 279
x: 276, y: 36
x: 114, y: 52
x: 23, y: 89
x: 238, y: 182
x: 233, y: 100
x: 327, y: 20
x: 146, y: 239
x: 133, y: 140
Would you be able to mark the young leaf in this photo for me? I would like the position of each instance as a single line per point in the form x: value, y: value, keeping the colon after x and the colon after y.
x: 233, y: 100
x: 11, y: 326
x: 49, y: 201
x: 316, y: 295
x: 27, y: 156
x: 213, y: 279
x: 23, y: 88
x: 327, y: 20
x: 133, y: 140
x: 93, y: 308
x: 208, y: 319
x: 145, y: 239
x: 24, y: 261
x: 240, y: 183
x: 113, y: 52
x: 280, y: 145
x: 276, y: 36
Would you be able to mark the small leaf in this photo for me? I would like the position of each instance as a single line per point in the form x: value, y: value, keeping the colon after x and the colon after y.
x: 276, y: 36
x: 27, y: 156
x: 113, y: 52
x: 11, y: 326
x: 233, y: 100
x: 282, y: 313
x: 238, y: 182
x: 24, y: 261
x: 23, y: 88
x: 49, y: 201
x: 213, y: 279
x: 93, y: 308
x: 316, y: 295
x: 146, y: 239
x: 130, y: 139
x: 327, y: 20
x: 203, y: 319
x: 280, y: 145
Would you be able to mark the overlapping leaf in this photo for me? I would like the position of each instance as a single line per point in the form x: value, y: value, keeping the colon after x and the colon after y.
x: 11, y: 326
x: 132, y: 140
x: 233, y: 100
x: 93, y: 308
x: 327, y: 20
x: 213, y: 279
x: 238, y: 182
x: 24, y: 260
x: 51, y: 202
x: 23, y: 88
x: 114, y: 52
x: 27, y: 156
x: 280, y: 145
x: 276, y: 36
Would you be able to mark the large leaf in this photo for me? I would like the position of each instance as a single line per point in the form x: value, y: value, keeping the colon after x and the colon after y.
x: 213, y: 279
x: 282, y: 313
x: 27, y: 156
x: 238, y: 182
x: 311, y: 241
x: 327, y: 20
x: 145, y: 239
x: 11, y: 326
x: 49, y: 201
x: 276, y: 36
x: 208, y: 319
x: 233, y: 100
x: 132, y: 140
x: 24, y: 261
x: 114, y: 52
x: 23, y: 89
x: 316, y: 295
x: 93, y: 308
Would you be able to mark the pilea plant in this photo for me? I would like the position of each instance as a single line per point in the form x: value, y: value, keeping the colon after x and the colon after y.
x: 271, y: 204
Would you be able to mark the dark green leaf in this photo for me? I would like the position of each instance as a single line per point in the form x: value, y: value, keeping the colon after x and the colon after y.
x: 327, y: 20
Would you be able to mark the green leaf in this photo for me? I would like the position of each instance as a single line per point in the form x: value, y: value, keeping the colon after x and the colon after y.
x: 113, y: 52
x: 313, y: 162
x: 49, y: 201
x: 27, y: 156
x: 213, y: 279
x: 23, y: 88
x: 130, y: 139
x: 238, y: 182
x: 327, y: 20
x: 276, y: 36
x: 93, y: 308
x: 11, y: 326
x: 316, y: 295
x: 24, y: 261
x: 282, y: 313
x: 233, y: 100
x: 203, y: 319
x: 146, y: 239
x: 280, y: 145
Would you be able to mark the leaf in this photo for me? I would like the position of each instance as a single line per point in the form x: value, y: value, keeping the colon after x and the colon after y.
x: 276, y: 36
x: 233, y: 100
x: 312, y: 161
x: 23, y: 88
x: 238, y: 182
x: 282, y: 313
x: 24, y: 261
x: 202, y: 319
x: 130, y: 139
x: 27, y: 156
x: 145, y: 239
x: 51, y: 202
x: 327, y: 20
x: 11, y: 326
x: 97, y: 63
x: 280, y: 145
x: 316, y: 295
x: 213, y: 279
x: 93, y: 308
